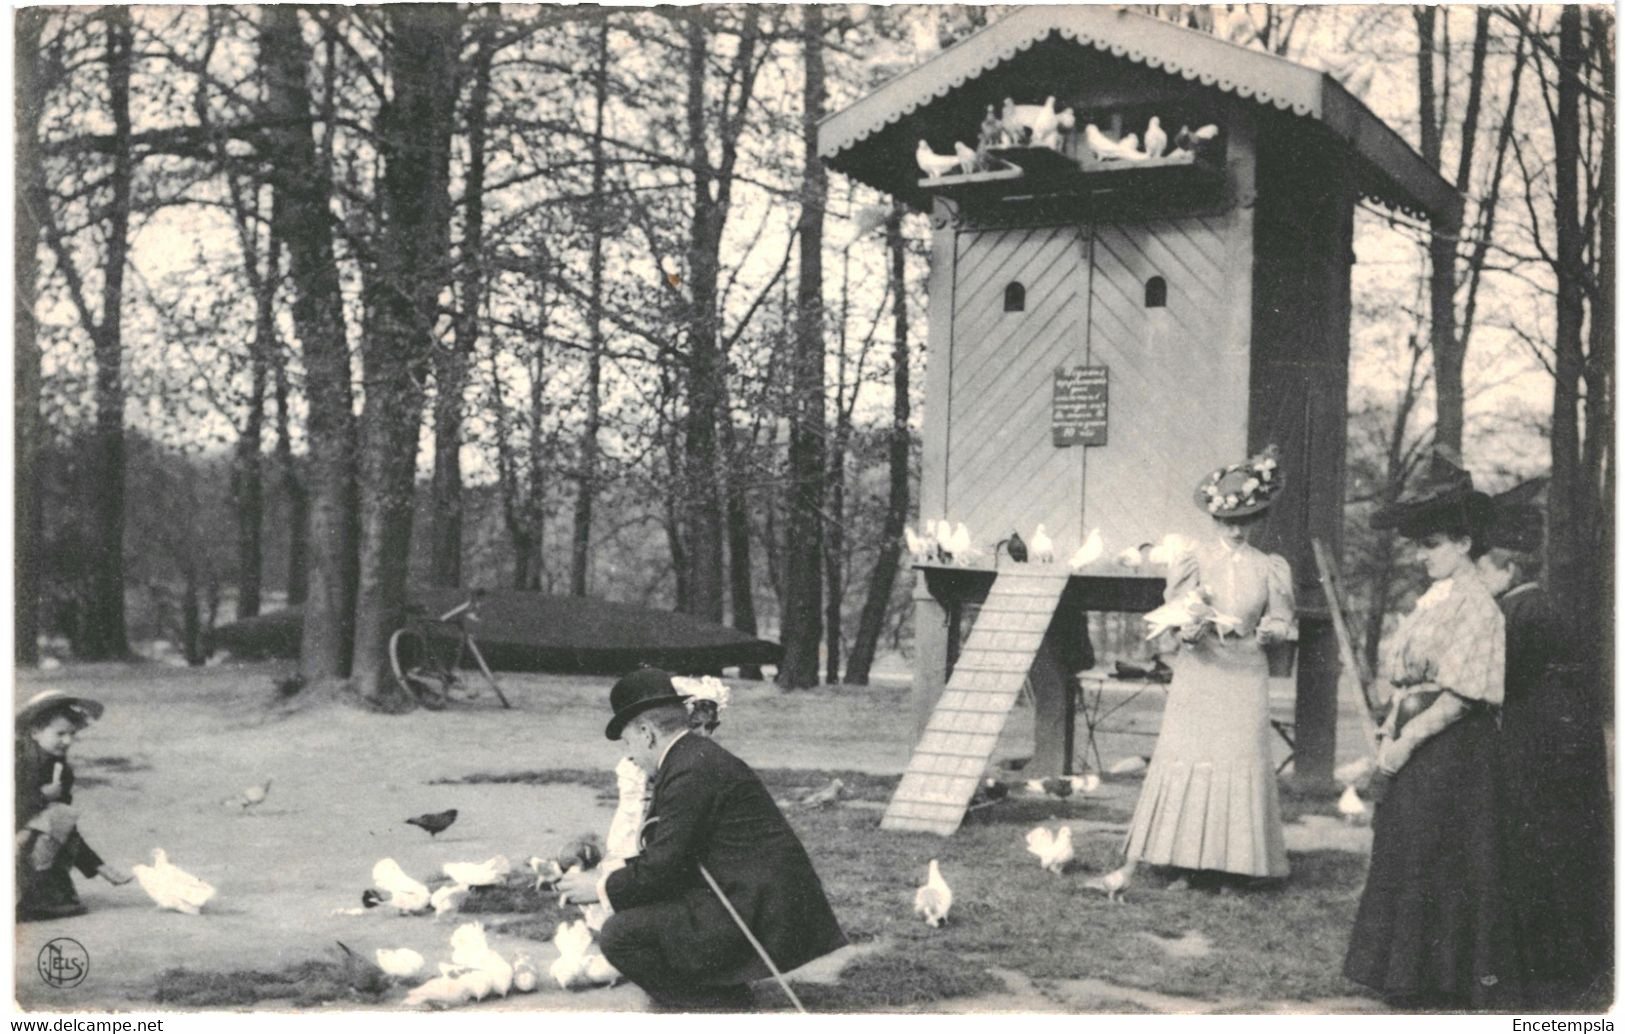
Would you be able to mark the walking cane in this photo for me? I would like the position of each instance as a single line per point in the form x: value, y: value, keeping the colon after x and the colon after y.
x: 754, y: 943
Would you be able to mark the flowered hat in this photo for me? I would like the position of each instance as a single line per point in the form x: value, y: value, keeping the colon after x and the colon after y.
x: 1242, y: 488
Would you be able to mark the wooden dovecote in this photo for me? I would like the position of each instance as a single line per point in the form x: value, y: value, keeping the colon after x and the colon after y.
x: 1208, y: 291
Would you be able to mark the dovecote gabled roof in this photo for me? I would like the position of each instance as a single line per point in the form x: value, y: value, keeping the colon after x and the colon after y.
x: 873, y: 139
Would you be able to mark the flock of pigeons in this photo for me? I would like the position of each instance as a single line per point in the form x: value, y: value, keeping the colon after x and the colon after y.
x: 947, y: 543
x: 1040, y: 125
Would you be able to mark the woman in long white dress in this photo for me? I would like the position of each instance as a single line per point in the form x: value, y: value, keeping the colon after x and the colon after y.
x: 1210, y: 803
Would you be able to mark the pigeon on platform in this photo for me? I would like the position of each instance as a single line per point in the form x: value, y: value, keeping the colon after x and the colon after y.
x: 1112, y: 884
x: 959, y: 544
x: 1050, y: 134
x: 1351, y: 807
x: 1089, y: 552
x: 933, y: 164
x: 1015, y: 547
x: 171, y: 887
x: 992, y: 133
x: 933, y: 900
x: 1133, y: 556
x: 1043, y: 547
x: 400, y: 963
x: 1156, y: 138
x: 1107, y: 149
x: 968, y: 158
x: 362, y: 974
x: 1129, y: 765
x: 1054, y: 850
x: 1026, y: 123
x: 1184, y: 143
x: 916, y: 545
x: 1171, y: 548
x: 396, y: 888
x: 435, y: 822
x: 944, y: 538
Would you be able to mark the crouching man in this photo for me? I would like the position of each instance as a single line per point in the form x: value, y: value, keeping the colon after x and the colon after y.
x: 668, y: 932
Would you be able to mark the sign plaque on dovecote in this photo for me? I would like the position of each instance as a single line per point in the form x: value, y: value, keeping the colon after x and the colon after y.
x: 1078, y: 413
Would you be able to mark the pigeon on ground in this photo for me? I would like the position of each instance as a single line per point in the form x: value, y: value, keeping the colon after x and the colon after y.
x: 968, y: 158
x: 1057, y: 786
x: 933, y: 164
x: 362, y: 974
x: 825, y: 795
x: 1351, y: 807
x: 1089, y: 782
x: 1089, y: 552
x: 398, y: 889
x: 170, y: 887
x: 448, y: 900
x: 251, y: 796
x: 1129, y: 765
x: 524, y: 974
x: 439, y: 993
x: 578, y: 965
x: 400, y: 963
x: 933, y: 900
x: 434, y: 822
x: 478, y: 874
x: 1112, y: 884
x: 1054, y: 850
x: 1043, y: 546
x: 1156, y: 138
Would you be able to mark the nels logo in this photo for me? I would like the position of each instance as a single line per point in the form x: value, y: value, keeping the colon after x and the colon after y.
x: 63, y: 962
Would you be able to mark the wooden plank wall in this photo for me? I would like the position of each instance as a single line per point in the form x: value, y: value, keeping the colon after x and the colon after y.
x: 1003, y: 472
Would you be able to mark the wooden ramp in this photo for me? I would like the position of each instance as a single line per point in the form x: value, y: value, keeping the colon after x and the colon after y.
x: 959, y: 739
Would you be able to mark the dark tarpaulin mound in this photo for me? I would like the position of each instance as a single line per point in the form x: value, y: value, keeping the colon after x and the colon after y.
x: 529, y: 631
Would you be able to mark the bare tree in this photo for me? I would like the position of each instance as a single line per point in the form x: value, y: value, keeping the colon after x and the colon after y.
x: 28, y: 107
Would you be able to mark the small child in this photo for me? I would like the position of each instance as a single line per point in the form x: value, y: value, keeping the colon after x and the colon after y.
x: 48, y: 842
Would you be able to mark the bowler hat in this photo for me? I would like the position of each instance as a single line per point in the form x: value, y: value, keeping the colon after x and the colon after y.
x: 1443, y: 496
x: 636, y: 693
x: 1519, y: 527
x: 51, y: 701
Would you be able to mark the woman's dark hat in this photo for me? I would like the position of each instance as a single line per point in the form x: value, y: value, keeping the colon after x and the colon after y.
x: 637, y: 693
x: 1442, y: 496
x: 1242, y: 488
x: 54, y: 701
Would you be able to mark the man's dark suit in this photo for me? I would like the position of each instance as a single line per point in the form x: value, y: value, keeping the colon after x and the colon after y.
x: 669, y: 934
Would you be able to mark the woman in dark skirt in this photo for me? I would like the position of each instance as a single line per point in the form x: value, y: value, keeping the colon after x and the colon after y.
x: 1558, y: 817
x: 1434, y: 926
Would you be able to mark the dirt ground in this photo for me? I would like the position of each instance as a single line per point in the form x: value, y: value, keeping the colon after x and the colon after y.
x: 176, y: 743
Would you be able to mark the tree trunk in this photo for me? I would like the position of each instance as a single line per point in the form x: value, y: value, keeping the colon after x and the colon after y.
x: 1447, y: 357
x: 105, y: 635
x: 451, y: 364
x: 28, y: 108
x: 248, y: 483
x: 293, y: 488
x: 740, y: 581
x: 872, y: 620
x: 803, y: 591
x: 587, y: 465
x: 415, y: 142
x: 1567, y: 558
x: 301, y: 221
x: 1599, y: 380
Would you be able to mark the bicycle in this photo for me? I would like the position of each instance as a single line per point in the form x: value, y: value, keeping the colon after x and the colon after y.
x: 419, y: 651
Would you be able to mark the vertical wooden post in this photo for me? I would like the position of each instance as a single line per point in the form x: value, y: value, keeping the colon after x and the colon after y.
x: 1053, y: 715
x: 1316, y: 708
x: 931, y: 633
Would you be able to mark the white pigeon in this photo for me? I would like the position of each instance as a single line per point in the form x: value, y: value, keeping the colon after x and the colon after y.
x: 1089, y: 552
x: 1171, y: 548
x: 1156, y: 138
x: 251, y: 796
x: 572, y: 941
x: 933, y: 164
x: 1051, y: 135
x: 1129, y: 765
x: 546, y: 869
x: 943, y: 533
x: 1351, y: 807
x: 479, y: 983
x: 1129, y: 147
x: 398, y: 962
x: 524, y: 974
x: 1089, y: 782
x: 404, y: 892
x: 1207, y: 132
x: 478, y: 874
x: 1133, y: 556
x: 1042, y: 546
x: 916, y: 545
x: 933, y: 900
x: 1026, y: 123
x: 170, y: 887
x: 468, y: 944
x: 1106, y: 149
x: 1111, y: 884
x: 439, y: 992
x: 1054, y: 850
x: 499, y: 969
x: 1192, y: 608
x: 967, y: 157
x: 1034, y: 785
x: 448, y: 899
x: 959, y: 541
